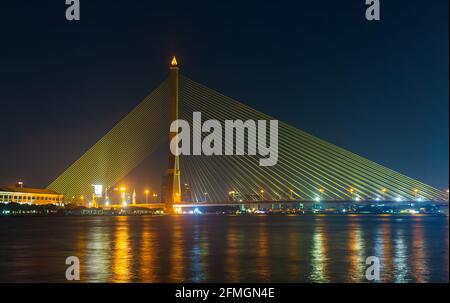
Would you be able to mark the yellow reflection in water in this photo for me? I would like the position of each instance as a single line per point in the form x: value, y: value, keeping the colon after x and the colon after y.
x: 121, y: 251
x: 383, y: 250
x: 319, y: 255
x: 177, y: 251
x: 264, y: 270
x: 81, y: 245
x: 294, y: 257
x: 98, y: 258
x: 356, y: 253
x: 148, y: 256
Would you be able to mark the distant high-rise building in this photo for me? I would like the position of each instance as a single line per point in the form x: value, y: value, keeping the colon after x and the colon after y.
x: 186, y: 193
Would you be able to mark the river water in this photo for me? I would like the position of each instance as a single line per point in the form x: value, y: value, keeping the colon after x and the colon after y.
x: 309, y: 248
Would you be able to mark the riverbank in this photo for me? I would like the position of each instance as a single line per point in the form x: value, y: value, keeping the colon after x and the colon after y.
x: 26, y: 210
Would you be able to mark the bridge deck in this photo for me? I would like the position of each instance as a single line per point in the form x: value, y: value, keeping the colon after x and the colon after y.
x: 262, y: 203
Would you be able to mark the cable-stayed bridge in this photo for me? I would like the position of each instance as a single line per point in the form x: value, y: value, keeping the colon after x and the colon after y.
x: 308, y: 168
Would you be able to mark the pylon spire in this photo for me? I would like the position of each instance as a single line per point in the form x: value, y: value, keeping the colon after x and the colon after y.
x: 174, y: 62
x: 172, y: 182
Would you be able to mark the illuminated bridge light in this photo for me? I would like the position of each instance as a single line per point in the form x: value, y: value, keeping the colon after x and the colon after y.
x: 174, y: 61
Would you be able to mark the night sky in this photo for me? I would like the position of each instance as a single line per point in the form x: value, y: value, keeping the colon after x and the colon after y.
x: 378, y: 89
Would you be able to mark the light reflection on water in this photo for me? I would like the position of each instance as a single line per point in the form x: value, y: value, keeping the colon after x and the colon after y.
x: 400, y: 257
x: 97, y: 247
x: 319, y: 256
x: 225, y: 249
x: 356, y: 253
x: 419, y: 256
x: 233, y: 245
x: 121, y: 252
x: 384, y: 250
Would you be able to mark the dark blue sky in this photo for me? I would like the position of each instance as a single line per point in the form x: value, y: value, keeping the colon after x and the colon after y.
x: 379, y: 89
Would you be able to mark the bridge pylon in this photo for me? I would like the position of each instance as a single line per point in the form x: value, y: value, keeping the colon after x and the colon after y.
x: 172, y: 192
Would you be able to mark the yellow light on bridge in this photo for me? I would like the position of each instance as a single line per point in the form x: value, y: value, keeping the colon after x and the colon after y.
x: 174, y: 61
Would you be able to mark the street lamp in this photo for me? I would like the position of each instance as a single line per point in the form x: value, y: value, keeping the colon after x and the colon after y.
x: 416, y: 191
x: 321, y: 190
x: 352, y: 191
x: 232, y: 195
